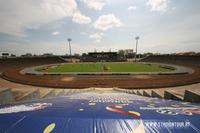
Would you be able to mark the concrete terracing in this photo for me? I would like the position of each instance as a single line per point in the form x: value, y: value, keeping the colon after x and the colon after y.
x: 188, y: 93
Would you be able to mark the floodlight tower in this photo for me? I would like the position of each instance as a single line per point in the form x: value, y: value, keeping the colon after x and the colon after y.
x: 136, y: 38
x: 69, y: 40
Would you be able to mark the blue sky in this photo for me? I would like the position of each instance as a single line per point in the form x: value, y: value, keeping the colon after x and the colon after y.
x: 43, y: 26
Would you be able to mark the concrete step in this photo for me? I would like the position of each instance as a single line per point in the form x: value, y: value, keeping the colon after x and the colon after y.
x: 74, y: 91
x: 47, y: 93
x: 6, y: 96
x: 192, y: 96
x: 147, y: 93
x: 173, y: 95
x: 134, y: 91
x: 80, y: 90
x: 59, y: 92
x: 125, y: 90
x: 18, y: 93
x: 129, y: 91
x: 67, y: 92
x: 140, y: 92
x: 120, y: 90
x: 92, y: 89
x: 157, y: 93
x: 117, y: 89
x: 29, y: 95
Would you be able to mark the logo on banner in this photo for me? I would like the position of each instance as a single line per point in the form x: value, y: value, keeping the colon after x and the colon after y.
x: 174, y: 111
x: 24, y: 108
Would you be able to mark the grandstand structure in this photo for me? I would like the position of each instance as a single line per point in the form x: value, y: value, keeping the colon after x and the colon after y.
x: 21, y: 62
x: 102, y: 57
x: 186, y: 60
x: 13, y: 92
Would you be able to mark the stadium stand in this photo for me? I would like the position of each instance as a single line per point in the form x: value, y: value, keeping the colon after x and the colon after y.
x: 174, y: 59
x: 188, y: 93
x: 28, y: 61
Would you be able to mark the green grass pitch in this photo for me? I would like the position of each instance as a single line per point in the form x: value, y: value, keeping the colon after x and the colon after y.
x: 105, y: 67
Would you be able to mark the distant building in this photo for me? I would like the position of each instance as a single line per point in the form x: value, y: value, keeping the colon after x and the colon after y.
x: 4, y: 54
x: 27, y: 55
x: 77, y: 55
x: 127, y: 53
x: 186, y: 53
x: 48, y: 54
x: 13, y: 55
x: 198, y: 54
x: 147, y: 54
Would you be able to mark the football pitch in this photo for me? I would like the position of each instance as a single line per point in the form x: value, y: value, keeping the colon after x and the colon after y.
x: 105, y: 67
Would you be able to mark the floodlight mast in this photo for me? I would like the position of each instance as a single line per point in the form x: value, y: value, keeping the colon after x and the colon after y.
x: 136, y: 38
x: 69, y: 40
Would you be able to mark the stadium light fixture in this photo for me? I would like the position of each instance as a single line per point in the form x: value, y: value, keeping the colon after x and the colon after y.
x: 136, y: 38
x: 69, y: 40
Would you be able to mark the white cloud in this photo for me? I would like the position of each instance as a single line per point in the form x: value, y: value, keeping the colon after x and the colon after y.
x: 18, y: 16
x: 97, y: 36
x: 95, y: 4
x: 55, y: 33
x: 106, y: 22
x: 132, y: 8
x: 80, y: 19
x: 158, y: 5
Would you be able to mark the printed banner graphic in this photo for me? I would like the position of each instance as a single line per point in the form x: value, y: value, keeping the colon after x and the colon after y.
x: 100, y: 113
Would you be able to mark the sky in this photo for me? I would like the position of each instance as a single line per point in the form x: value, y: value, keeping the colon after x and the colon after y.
x: 43, y: 26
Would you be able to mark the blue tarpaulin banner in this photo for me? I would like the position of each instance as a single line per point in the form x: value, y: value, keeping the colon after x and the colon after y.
x: 100, y: 113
